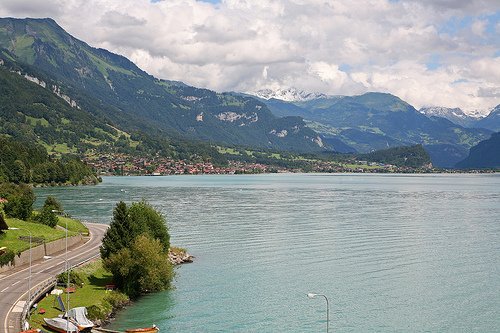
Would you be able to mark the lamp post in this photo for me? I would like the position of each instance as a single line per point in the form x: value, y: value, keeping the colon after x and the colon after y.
x: 67, y: 270
x: 312, y: 295
x: 29, y: 279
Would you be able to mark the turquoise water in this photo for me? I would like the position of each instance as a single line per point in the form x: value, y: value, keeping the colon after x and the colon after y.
x: 394, y: 253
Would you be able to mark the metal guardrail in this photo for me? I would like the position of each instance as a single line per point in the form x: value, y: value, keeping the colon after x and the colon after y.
x: 42, y: 289
x: 47, y: 285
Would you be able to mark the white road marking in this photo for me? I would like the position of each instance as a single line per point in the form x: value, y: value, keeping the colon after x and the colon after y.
x: 19, y: 306
x: 4, y: 289
x: 16, y: 283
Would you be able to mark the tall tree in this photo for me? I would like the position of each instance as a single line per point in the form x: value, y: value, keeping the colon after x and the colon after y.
x: 121, y: 232
x: 150, y: 221
x: 128, y: 223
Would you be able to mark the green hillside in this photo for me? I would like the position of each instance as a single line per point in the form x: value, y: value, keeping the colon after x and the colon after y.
x: 136, y: 101
x: 33, y: 113
x: 413, y: 157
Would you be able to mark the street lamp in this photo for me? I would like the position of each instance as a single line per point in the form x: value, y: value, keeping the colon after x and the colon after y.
x: 311, y: 295
x: 29, y: 279
x: 67, y: 270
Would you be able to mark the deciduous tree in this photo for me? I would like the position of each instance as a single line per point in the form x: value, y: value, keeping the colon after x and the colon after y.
x: 141, y: 268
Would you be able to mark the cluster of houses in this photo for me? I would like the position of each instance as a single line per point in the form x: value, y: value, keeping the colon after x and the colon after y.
x: 126, y: 165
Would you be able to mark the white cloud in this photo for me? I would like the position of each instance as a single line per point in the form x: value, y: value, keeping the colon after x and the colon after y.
x: 479, y: 27
x: 336, y: 47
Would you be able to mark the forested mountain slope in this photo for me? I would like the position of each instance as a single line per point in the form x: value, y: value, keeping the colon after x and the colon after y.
x: 135, y: 100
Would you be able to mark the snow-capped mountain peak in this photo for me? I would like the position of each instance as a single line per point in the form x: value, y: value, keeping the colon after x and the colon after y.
x: 443, y: 112
x: 288, y: 94
x: 455, y: 115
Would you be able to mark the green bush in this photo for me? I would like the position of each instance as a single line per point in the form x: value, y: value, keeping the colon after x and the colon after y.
x: 46, y: 217
x: 6, y: 258
x: 99, y: 311
x: 142, y: 268
x: 76, y: 278
x: 53, y: 204
x: 3, y: 223
x: 117, y: 299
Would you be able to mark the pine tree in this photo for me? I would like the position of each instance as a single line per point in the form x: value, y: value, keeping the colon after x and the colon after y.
x: 121, y: 232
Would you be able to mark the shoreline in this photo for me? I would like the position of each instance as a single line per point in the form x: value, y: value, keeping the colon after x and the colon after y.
x: 102, y: 312
x: 177, y: 257
x: 437, y: 172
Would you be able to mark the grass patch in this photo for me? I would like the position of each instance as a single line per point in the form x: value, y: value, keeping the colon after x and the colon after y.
x: 229, y: 151
x: 73, y: 225
x: 103, y: 66
x: 33, y: 121
x: 59, y: 148
x: 23, y: 48
x: 11, y: 240
x: 92, y: 295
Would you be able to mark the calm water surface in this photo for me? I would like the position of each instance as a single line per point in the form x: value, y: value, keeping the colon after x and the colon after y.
x: 394, y: 253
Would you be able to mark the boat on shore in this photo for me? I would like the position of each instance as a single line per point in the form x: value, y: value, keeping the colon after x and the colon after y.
x: 78, y: 316
x: 61, y: 325
x: 152, y: 329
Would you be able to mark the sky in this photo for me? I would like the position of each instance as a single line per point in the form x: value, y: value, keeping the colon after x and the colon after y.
x: 427, y: 52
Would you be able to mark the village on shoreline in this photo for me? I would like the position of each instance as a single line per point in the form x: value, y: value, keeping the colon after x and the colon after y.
x: 126, y: 165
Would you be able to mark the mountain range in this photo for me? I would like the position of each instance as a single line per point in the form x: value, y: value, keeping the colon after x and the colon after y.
x: 288, y: 95
x: 82, y: 98
x: 455, y: 115
x: 490, y: 121
x: 96, y: 79
x: 374, y: 121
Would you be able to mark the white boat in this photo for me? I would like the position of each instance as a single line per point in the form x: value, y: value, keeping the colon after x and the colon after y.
x: 61, y: 325
x: 78, y: 316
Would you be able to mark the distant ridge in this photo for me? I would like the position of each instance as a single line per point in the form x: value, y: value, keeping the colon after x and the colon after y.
x: 375, y: 121
x: 484, y: 155
x: 492, y: 121
x: 137, y: 101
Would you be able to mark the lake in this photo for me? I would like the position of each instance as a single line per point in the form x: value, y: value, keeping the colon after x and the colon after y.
x: 393, y: 253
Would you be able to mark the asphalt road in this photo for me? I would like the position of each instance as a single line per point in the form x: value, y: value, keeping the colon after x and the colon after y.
x: 14, y: 284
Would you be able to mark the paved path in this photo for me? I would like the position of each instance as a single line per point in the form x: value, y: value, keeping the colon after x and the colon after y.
x: 14, y: 284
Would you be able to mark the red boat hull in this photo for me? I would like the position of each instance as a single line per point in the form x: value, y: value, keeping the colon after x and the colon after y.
x: 153, y: 329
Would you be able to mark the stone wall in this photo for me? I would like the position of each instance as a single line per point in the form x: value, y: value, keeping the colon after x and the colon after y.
x: 60, y: 244
x: 39, y: 251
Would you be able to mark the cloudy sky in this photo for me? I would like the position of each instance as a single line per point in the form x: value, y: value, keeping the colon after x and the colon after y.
x: 428, y: 52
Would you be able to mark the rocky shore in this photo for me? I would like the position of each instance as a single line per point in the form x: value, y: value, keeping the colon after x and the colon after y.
x: 178, y: 256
